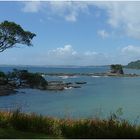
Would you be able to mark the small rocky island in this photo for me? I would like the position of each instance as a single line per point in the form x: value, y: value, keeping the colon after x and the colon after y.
x: 116, y: 69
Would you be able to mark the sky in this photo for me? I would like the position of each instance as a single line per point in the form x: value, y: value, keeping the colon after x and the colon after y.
x: 74, y: 33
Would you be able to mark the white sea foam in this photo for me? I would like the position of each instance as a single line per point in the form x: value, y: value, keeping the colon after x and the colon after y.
x: 43, y: 75
x: 99, y: 76
x: 96, y: 76
x: 66, y: 77
x: 67, y: 87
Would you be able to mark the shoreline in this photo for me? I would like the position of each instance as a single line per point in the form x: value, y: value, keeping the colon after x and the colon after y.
x: 90, y: 74
x: 8, y: 89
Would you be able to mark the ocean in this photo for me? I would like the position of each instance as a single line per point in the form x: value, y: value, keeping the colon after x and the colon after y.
x: 100, y: 97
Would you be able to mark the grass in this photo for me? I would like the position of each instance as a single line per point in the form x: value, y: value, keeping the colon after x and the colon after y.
x: 21, y: 125
x: 10, y: 133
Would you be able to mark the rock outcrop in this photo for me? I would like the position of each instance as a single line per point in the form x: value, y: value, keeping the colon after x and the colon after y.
x: 7, y: 90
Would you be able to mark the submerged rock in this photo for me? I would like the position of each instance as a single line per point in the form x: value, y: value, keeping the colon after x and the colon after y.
x: 80, y: 82
x: 55, y: 87
x: 60, y: 85
x: 75, y: 86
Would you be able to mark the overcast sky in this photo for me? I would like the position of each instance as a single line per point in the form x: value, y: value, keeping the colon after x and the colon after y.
x: 75, y: 33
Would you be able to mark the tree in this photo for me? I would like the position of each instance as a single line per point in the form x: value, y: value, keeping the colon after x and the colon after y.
x: 12, y: 34
x: 21, y: 77
x: 3, y: 78
x: 117, y: 69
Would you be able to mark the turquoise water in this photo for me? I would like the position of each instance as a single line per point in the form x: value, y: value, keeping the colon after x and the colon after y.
x: 98, y: 98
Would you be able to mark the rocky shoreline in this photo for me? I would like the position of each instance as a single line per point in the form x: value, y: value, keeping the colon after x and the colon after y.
x: 8, y: 89
x: 90, y: 74
x: 60, y: 85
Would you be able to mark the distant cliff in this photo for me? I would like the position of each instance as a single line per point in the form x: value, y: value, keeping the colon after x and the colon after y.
x: 133, y: 65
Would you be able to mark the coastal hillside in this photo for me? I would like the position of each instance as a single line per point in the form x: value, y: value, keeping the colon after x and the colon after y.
x: 133, y: 65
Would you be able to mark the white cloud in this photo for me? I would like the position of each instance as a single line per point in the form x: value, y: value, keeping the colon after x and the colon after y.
x: 89, y: 53
x: 123, y: 16
x: 128, y: 54
x: 67, y: 50
x: 71, y: 18
x: 131, y: 50
x: 63, y: 56
x: 32, y: 6
x: 104, y: 34
x: 67, y: 55
x: 68, y: 10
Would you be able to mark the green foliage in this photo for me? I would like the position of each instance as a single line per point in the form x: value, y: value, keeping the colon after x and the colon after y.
x: 117, y: 68
x: 34, y: 80
x: 67, y: 128
x: 14, y: 75
x: 134, y: 65
x: 34, y: 123
x: 12, y: 34
x: 4, y: 121
x: 2, y: 74
x: 10, y: 133
x: 3, y: 78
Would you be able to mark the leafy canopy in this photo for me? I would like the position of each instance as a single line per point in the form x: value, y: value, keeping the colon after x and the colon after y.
x: 116, y: 67
x: 23, y: 76
x: 12, y: 34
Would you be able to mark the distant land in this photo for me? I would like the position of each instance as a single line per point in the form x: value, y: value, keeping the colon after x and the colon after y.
x: 54, y: 66
x: 133, y: 65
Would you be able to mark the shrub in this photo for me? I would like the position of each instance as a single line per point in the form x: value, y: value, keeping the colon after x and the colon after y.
x: 34, y: 123
x: 87, y: 128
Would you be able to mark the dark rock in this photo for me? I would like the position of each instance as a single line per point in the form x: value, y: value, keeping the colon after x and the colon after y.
x: 3, y: 81
x: 80, y: 82
x: 69, y: 83
x: 55, y: 82
x: 6, y: 90
x: 74, y: 86
x: 54, y: 87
